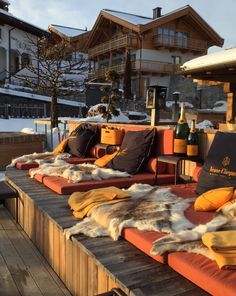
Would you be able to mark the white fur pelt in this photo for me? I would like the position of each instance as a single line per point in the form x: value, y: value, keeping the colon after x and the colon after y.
x: 155, y: 209
x: 39, y: 158
x: 77, y: 173
x: 224, y: 220
x: 150, y: 208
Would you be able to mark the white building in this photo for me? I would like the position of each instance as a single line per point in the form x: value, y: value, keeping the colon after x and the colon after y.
x: 15, y: 48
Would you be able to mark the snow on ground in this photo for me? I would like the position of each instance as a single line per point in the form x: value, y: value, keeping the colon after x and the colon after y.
x: 170, y: 103
x: 15, y: 124
x: 120, y: 118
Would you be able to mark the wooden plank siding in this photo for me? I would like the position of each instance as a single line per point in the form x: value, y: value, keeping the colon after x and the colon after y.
x: 88, y: 266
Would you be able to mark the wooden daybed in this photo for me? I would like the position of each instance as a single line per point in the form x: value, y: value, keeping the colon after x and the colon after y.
x: 88, y: 266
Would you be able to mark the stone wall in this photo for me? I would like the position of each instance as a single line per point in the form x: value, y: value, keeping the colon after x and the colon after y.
x: 204, y: 98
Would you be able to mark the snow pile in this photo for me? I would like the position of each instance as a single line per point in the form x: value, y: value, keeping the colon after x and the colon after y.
x: 220, y: 106
x: 98, y: 118
x: 205, y: 124
x: 93, y: 111
x: 27, y: 130
x: 170, y: 103
x: 94, y: 116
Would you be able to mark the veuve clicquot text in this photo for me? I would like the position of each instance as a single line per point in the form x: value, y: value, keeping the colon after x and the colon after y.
x: 192, y: 143
x: 181, y: 134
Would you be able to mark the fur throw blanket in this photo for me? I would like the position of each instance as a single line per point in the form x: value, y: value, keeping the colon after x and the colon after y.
x: 77, y: 173
x: 154, y: 209
x: 40, y: 158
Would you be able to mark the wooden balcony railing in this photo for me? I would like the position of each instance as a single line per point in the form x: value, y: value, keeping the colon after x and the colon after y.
x: 181, y: 42
x: 138, y: 65
x: 119, y: 42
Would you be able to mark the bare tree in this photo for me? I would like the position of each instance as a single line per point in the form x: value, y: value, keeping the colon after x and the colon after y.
x: 53, y: 70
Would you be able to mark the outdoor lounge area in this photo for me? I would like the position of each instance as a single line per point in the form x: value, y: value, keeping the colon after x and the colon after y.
x: 96, y: 265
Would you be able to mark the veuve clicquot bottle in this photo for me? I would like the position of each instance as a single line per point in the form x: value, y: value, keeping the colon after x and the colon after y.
x: 181, y: 134
x: 192, y: 143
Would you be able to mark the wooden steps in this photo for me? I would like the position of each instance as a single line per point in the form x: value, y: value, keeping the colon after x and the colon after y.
x: 23, y: 270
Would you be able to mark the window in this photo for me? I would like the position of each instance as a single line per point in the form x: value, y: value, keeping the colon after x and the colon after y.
x: 171, y: 37
x: 176, y: 60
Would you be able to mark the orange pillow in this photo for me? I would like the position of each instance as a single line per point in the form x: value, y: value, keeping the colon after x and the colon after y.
x: 61, y: 147
x: 213, y: 199
x: 103, y: 161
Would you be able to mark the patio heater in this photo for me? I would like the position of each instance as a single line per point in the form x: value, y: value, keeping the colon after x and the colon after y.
x: 156, y: 101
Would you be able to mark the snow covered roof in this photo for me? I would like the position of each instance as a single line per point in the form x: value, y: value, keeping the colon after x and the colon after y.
x: 39, y: 97
x: 67, y: 31
x: 129, y: 17
x: 224, y: 58
x: 9, y: 18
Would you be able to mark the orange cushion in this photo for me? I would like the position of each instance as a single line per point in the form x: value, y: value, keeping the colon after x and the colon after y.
x: 196, y: 173
x: 26, y: 165
x: 103, y: 161
x: 152, y: 165
x: 143, y: 240
x: 213, y: 199
x: 204, y: 272
x: 61, y: 186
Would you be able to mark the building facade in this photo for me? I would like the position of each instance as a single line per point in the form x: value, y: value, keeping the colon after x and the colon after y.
x: 157, y: 45
x: 15, y: 49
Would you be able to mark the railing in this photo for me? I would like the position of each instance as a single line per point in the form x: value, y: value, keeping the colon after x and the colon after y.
x: 119, y: 42
x: 138, y: 65
x: 181, y: 42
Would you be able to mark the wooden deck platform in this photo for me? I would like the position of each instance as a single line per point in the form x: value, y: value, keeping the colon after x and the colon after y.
x: 89, y: 266
x: 23, y: 270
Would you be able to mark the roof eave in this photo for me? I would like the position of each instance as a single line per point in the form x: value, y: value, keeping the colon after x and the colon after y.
x: 12, y: 21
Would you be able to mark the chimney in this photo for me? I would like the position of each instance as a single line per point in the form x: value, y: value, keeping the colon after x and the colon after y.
x: 156, y: 12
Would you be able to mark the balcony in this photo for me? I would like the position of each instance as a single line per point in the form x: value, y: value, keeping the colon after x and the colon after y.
x: 122, y: 42
x: 180, y: 42
x: 147, y: 66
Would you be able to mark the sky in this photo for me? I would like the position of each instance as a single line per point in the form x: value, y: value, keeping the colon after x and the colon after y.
x: 81, y: 14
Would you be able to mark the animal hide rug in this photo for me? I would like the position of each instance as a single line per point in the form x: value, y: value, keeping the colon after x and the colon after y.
x: 40, y: 158
x: 77, y: 173
x: 150, y: 208
x: 154, y: 209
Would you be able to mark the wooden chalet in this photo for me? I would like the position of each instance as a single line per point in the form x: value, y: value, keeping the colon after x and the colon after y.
x: 77, y: 38
x: 157, y: 45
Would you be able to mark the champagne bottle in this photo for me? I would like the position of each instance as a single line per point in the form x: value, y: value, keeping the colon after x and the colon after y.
x: 181, y: 134
x: 192, y: 143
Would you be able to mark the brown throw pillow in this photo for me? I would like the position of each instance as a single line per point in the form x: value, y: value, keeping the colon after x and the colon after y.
x: 135, y: 149
x: 82, y: 140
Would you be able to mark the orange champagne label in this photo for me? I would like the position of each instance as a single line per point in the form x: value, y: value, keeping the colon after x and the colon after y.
x: 180, y: 145
x: 192, y: 150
